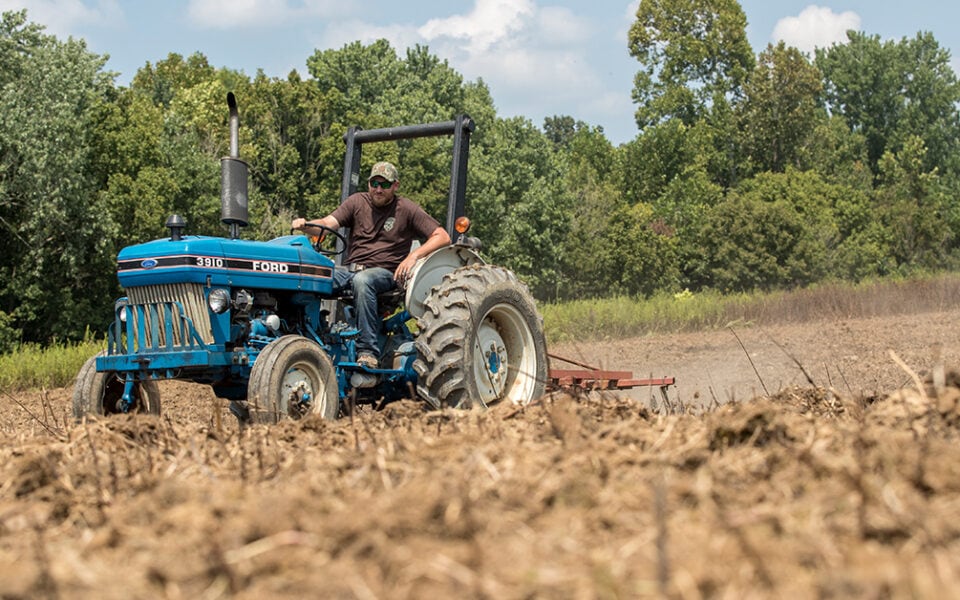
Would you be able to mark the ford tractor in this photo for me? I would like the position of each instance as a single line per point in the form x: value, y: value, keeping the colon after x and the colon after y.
x: 262, y: 324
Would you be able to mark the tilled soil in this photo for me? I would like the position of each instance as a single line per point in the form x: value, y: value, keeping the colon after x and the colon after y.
x: 831, y: 475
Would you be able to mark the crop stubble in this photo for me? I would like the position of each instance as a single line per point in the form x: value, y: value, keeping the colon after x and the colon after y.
x: 844, y: 487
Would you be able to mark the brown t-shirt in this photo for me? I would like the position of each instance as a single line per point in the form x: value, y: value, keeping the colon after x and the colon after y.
x: 381, y: 237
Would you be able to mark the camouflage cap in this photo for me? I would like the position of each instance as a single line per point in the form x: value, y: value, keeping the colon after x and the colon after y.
x: 385, y: 170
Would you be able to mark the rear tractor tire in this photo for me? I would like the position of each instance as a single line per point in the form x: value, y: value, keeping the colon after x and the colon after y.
x: 291, y: 378
x: 481, y: 341
x: 97, y: 394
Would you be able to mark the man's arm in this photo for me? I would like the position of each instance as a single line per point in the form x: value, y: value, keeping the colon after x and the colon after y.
x: 438, y: 239
x: 328, y: 221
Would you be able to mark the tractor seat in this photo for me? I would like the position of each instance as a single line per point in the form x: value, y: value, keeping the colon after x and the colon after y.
x: 387, y: 302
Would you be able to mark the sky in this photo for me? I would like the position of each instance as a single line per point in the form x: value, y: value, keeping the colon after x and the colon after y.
x: 540, y: 58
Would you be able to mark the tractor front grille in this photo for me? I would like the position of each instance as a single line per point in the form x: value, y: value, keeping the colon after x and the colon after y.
x: 166, y: 317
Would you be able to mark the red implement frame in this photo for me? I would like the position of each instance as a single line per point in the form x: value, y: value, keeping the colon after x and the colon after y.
x: 592, y: 378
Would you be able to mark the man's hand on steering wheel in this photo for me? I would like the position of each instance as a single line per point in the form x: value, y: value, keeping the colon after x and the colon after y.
x: 317, y: 239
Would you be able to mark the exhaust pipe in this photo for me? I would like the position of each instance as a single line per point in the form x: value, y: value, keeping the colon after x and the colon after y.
x: 233, y: 178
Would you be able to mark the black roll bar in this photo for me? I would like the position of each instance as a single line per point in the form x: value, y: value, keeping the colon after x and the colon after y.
x: 460, y: 128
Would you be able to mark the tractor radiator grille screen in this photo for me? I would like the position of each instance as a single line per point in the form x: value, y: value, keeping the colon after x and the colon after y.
x: 188, y: 295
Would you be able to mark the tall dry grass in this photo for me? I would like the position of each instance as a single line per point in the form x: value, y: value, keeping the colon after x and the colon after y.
x: 592, y: 320
x: 33, y: 366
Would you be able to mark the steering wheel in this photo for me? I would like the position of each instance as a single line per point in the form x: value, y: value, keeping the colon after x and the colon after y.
x: 318, y: 240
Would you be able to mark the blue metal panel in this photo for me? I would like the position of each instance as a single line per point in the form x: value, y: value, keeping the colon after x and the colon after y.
x: 162, y: 361
x: 285, y: 263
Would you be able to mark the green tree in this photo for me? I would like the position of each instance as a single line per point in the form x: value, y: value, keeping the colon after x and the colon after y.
x: 680, y: 212
x: 652, y: 160
x: 932, y: 95
x: 161, y: 82
x: 589, y: 150
x: 766, y: 235
x: 516, y: 198
x: 56, y: 244
x: 295, y: 150
x: 426, y: 89
x: 533, y: 240
x: 175, y: 169
x: 914, y: 207
x: 587, y: 160
x: 355, y: 78
x: 806, y: 192
x: 478, y: 103
x: 644, y: 253
x: 150, y: 165
x: 780, y: 109
x: 838, y: 154
x: 693, y: 54
x: 561, y: 129
x: 891, y: 91
x: 589, y: 262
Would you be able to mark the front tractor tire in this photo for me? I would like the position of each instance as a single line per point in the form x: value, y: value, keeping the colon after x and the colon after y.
x: 481, y: 341
x: 291, y: 378
x: 98, y: 394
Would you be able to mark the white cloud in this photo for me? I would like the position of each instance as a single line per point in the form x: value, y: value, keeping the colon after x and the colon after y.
x: 560, y: 26
x: 337, y: 34
x: 816, y: 27
x: 490, y: 22
x: 227, y: 14
x: 529, y: 68
x: 616, y: 110
x: 516, y: 47
x: 534, y: 58
x: 62, y: 17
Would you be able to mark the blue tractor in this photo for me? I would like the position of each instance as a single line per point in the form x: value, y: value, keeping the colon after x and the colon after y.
x: 261, y: 323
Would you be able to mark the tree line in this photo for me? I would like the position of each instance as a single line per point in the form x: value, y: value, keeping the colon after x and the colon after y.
x: 748, y: 171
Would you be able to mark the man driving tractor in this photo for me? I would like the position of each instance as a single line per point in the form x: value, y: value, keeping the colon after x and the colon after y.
x: 383, y: 226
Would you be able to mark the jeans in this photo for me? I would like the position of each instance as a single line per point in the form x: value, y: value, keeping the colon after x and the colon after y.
x: 366, y: 285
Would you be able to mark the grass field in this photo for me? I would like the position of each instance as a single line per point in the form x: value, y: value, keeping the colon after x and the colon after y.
x: 33, y: 366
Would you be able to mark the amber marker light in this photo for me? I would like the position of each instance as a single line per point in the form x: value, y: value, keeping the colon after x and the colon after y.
x: 462, y: 224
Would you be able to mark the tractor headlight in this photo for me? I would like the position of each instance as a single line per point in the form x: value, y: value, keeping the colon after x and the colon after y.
x: 218, y: 300
x: 120, y: 308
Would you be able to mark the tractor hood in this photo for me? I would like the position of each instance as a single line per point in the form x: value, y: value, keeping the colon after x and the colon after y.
x: 285, y: 263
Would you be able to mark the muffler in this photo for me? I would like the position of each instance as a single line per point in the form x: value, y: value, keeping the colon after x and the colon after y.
x: 233, y: 178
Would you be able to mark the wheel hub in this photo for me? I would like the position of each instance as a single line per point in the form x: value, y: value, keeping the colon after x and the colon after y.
x: 296, y: 387
x: 492, y: 362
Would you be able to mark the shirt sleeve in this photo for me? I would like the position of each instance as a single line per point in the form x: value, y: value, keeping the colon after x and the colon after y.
x: 345, y: 212
x: 422, y: 222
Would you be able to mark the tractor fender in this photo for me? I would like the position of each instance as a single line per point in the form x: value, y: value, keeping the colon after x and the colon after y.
x: 429, y: 272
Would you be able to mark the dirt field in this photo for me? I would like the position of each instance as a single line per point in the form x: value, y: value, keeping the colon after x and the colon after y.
x: 843, y: 487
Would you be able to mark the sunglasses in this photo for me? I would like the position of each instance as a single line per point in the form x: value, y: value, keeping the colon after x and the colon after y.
x: 380, y: 184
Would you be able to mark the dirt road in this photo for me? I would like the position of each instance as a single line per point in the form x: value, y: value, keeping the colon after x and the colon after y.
x: 852, y: 356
